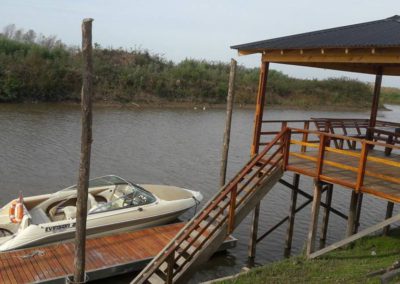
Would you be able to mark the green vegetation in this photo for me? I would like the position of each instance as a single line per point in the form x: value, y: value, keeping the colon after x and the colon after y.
x: 341, y: 266
x: 38, y: 68
x: 390, y: 95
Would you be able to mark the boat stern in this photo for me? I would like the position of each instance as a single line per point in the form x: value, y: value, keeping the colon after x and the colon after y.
x: 172, y: 193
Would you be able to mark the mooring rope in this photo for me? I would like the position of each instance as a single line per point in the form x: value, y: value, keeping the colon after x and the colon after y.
x: 197, y: 202
x: 34, y: 253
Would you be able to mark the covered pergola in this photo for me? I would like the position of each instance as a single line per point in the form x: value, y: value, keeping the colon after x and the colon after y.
x: 369, y: 48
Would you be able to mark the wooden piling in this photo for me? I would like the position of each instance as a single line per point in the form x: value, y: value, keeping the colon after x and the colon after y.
x: 262, y: 86
x: 358, y: 212
x: 253, y: 234
x: 310, y: 197
x: 292, y: 214
x: 389, y: 213
x: 86, y: 142
x: 312, y: 232
x: 352, y: 214
x: 325, y: 218
x: 375, y: 103
x: 227, y: 133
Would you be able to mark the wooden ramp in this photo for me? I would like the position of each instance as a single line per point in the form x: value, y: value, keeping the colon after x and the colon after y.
x: 105, y: 256
x: 202, y: 235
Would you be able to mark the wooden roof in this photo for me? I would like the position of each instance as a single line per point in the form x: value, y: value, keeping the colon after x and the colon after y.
x: 364, y: 48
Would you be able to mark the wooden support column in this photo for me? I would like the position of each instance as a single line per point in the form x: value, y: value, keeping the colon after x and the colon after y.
x: 228, y: 122
x: 375, y: 103
x: 389, y: 213
x: 325, y: 219
x: 358, y: 212
x: 253, y: 235
x: 352, y: 214
x: 86, y: 142
x: 262, y: 86
x: 292, y: 214
x: 312, y: 232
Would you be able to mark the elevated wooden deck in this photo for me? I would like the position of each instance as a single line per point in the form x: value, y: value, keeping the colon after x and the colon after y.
x: 105, y: 256
x: 344, y: 151
x: 380, y: 179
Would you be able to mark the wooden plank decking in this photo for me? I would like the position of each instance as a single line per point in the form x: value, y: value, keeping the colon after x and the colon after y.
x: 105, y: 256
x: 385, y: 189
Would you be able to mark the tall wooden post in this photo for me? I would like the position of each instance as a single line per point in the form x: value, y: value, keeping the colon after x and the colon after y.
x: 352, y: 214
x: 358, y: 212
x: 227, y: 133
x: 389, y: 213
x: 292, y: 214
x: 86, y: 142
x: 262, y: 86
x: 375, y: 102
x: 325, y: 218
x: 312, y: 232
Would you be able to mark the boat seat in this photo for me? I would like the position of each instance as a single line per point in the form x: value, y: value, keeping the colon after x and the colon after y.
x: 39, y: 216
x: 70, y: 212
x: 92, y: 203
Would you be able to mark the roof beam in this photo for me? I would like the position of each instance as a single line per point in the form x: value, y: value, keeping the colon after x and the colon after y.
x: 393, y: 70
x: 345, y: 55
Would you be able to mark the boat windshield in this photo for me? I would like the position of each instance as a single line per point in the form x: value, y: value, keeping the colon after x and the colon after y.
x: 124, y: 196
x: 101, y: 181
x: 105, y: 193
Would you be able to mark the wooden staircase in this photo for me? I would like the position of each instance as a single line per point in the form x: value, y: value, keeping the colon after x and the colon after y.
x: 202, y: 235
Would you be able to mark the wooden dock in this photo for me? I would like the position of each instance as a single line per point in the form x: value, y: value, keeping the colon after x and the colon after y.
x: 106, y: 256
x: 380, y: 173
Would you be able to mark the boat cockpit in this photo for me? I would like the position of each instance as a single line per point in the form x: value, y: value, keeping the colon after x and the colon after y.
x: 105, y: 194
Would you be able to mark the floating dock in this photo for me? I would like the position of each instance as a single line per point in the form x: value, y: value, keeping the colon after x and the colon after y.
x: 106, y: 256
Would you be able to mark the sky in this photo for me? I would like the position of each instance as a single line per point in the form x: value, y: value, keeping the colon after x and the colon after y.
x: 196, y: 29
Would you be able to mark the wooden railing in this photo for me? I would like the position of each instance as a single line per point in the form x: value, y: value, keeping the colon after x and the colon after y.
x: 355, y: 161
x: 349, y: 127
x: 223, y: 209
x: 219, y: 211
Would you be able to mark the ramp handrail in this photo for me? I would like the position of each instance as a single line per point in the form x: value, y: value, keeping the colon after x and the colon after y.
x: 232, y: 195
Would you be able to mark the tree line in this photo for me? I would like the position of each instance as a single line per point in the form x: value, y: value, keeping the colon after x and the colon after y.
x: 38, y: 68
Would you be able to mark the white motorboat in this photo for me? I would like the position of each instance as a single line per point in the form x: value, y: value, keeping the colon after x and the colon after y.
x: 114, y: 205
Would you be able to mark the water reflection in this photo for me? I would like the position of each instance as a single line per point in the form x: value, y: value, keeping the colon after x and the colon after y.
x: 40, y: 153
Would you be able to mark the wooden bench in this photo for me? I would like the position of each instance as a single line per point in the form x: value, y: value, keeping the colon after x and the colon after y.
x: 388, y: 134
x: 356, y: 128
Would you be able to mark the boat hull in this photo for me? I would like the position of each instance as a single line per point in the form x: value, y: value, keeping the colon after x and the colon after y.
x: 99, y: 222
x: 34, y: 235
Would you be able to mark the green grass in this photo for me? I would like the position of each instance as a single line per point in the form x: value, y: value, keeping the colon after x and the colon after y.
x: 340, y: 266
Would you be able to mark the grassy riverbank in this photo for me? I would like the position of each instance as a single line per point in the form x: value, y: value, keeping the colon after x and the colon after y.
x: 341, y: 266
x: 35, y: 68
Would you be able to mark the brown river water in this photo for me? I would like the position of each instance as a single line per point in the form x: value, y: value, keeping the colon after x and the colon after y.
x: 39, y: 153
